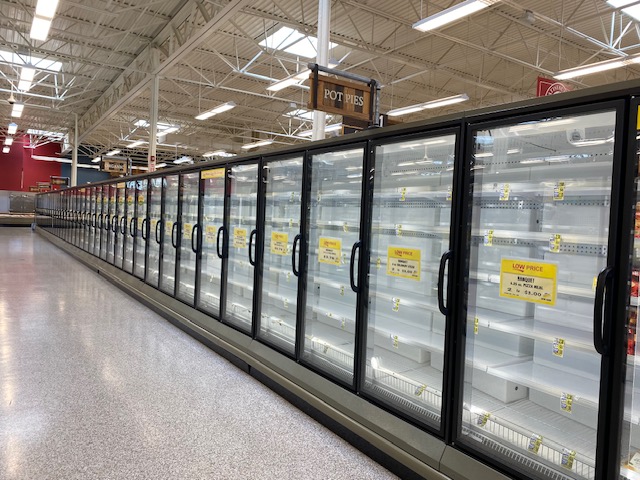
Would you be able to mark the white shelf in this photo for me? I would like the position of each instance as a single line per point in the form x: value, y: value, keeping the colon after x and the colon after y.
x: 542, y: 237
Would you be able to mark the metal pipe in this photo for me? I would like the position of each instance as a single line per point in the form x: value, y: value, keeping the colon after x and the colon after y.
x: 324, y: 19
x: 74, y: 153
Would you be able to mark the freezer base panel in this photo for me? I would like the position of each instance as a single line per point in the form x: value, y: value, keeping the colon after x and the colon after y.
x: 405, y: 449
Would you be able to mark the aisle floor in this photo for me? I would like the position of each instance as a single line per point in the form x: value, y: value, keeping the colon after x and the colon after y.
x: 93, y: 385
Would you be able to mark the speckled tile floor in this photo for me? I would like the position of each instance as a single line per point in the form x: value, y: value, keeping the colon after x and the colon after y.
x: 94, y: 385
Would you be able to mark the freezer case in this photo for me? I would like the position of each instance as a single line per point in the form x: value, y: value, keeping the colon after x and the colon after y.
x: 188, y: 244
x: 141, y: 228
x: 120, y: 223
x: 130, y: 226
x: 171, y: 236
x: 539, y: 233
x: 333, y: 236
x: 156, y: 232
x: 282, y: 180
x: 410, y: 231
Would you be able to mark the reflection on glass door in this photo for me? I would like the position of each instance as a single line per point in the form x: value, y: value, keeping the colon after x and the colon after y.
x: 171, y: 233
x: 155, y: 231
x: 410, y: 225
x: 213, y: 238
x: 283, y: 200
x: 131, y: 226
x: 142, y: 228
x: 539, y: 239
x: 189, y: 238
x: 334, y: 236
x: 242, y: 231
x: 120, y: 224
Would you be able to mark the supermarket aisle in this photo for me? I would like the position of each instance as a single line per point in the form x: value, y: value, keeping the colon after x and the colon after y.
x: 95, y: 385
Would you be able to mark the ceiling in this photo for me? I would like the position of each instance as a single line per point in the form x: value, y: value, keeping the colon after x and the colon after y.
x: 208, y: 52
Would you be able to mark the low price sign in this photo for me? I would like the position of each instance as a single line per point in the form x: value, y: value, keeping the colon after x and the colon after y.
x: 530, y: 281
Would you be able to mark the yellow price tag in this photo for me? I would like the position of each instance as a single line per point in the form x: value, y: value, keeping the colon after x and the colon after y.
x: 396, y: 304
x: 558, y: 347
x: 396, y: 341
x: 504, y: 192
x: 554, y: 243
x: 403, y: 194
x: 535, y: 442
x: 488, y: 238
x: 476, y: 324
x: 568, y: 457
x: 566, y: 402
x: 558, y: 191
x: 529, y: 281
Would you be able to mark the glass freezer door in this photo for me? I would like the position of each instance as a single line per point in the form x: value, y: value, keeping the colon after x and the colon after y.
x: 120, y: 232
x: 113, y: 226
x: 189, y: 237
x: 333, y: 241
x: 92, y: 220
x: 155, y: 232
x: 539, y: 230
x: 106, y: 222
x: 213, y: 238
x: 88, y: 218
x: 171, y: 233
x: 130, y: 226
x: 142, y: 228
x: 283, y: 201
x: 243, y: 199
x: 410, y: 226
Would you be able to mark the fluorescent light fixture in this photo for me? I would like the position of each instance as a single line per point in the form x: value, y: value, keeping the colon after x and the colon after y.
x: 141, y: 123
x: 259, y: 143
x: 592, y: 68
x: 26, y: 77
x: 214, y: 111
x: 5, y: 149
x: 29, y: 60
x: 96, y: 159
x: 282, y: 84
x: 46, y: 8
x: 452, y: 14
x: 300, y: 113
x: 169, y: 130
x: 511, y: 151
x: 291, y: 41
x: 432, y: 104
x: 40, y: 28
x: 135, y: 144
x: 633, y: 11
x: 161, y: 165
x: 328, y: 129
x: 8, y: 141
x: 183, y: 159
x: 46, y: 133
x: 17, y: 110
x: 113, y: 152
x: 13, y: 128
x: 219, y: 153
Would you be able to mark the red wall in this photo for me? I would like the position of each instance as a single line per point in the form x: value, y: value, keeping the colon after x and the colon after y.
x: 18, y: 170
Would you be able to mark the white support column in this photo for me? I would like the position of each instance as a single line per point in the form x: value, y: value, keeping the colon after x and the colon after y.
x: 153, y: 124
x: 74, y: 154
x: 324, y: 20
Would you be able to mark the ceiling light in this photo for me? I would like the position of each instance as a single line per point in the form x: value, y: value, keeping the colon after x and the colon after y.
x: 135, y: 144
x: 452, y: 14
x: 96, y: 159
x: 5, y: 150
x: 26, y: 77
x: 8, y: 141
x: 46, y: 8
x: 13, y: 128
x: 219, y: 153
x: 112, y: 152
x: 593, y: 68
x: 17, y: 110
x: 214, y: 111
x: 161, y: 165
x: 29, y: 60
x: 289, y: 81
x: 141, y: 123
x: 632, y: 11
x: 432, y: 104
x: 291, y: 41
x: 183, y: 160
x: 300, y: 113
x: 328, y: 129
x: 260, y: 143
x: 40, y: 28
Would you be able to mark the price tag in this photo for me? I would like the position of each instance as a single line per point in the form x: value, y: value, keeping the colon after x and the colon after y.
x: 476, y: 324
x: 330, y: 251
x: 534, y: 443
x: 291, y: 223
x: 210, y: 233
x: 291, y: 197
x: 343, y: 324
x: 529, y: 281
x: 568, y: 456
x: 345, y: 227
x: 594, y: 284
x: 378, y: 263
x: 558, y: 191
x: 285, y: 302
x: 449, y: 194
x: 403, y: 194
x: 168, y: 228
x: 396, y: 342
x: 342, y: 290
x: 482, y: 420
x: 566, y: 402
x: 319, y: 197
x: 396, y: 304
x: 288, y: 276
x: 554, y: 243
x: 420, y: 390
x: 403, y: 263
x: 239, y: 237
x: 140, y: 221
x: 635, y: 461
x: 398, y: 230
x: 186, y: 231
x: 504, y: 192
x: 279, y: 243
x: 558, y: 347
x: 488, y: 238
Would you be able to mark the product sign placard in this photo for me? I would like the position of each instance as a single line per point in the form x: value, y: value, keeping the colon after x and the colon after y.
x: 186, y: 231
x: 168, y: 228
x: 215, y: 173
x: 330, y: 251
x: 403, y: 263
x: 141, y: 199
x: 129, y: 199
x: 239, y: 237
x: 210, y: 233
x: 140, y: 221
x: 279, y: 243
x: 529, y: 281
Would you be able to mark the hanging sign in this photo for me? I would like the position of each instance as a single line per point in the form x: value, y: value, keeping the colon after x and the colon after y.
x: 239, y: 237
x: 113, y: 165
x: 529, y: 281
x: 403, y: 263
x: 339, y: 96
x: 279, y: 243
x: 214, y: 173
x: 549, y: 86
x: 330, y: 251
x: 61, y: 181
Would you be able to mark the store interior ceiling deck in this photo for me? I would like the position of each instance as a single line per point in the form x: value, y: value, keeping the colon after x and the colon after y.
x: 98, y: 60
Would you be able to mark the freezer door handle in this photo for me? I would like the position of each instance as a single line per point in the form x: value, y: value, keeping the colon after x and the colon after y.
x: 296, y: 240
x: 100, y: 217
x: 158, y: 225
x: 123, y: 225
x: 193, y: 237
x: 145, y: 222
x: 174, y: 230
x: 356, y: 246
x: 444, y: 308
x: 252, y: 260
x: 132, y: 227
x: 218, y: 243
x: 114, y: 223
x: 599, y: 326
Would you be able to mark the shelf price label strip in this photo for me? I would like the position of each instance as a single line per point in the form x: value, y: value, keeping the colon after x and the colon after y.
x: 529, y: 281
